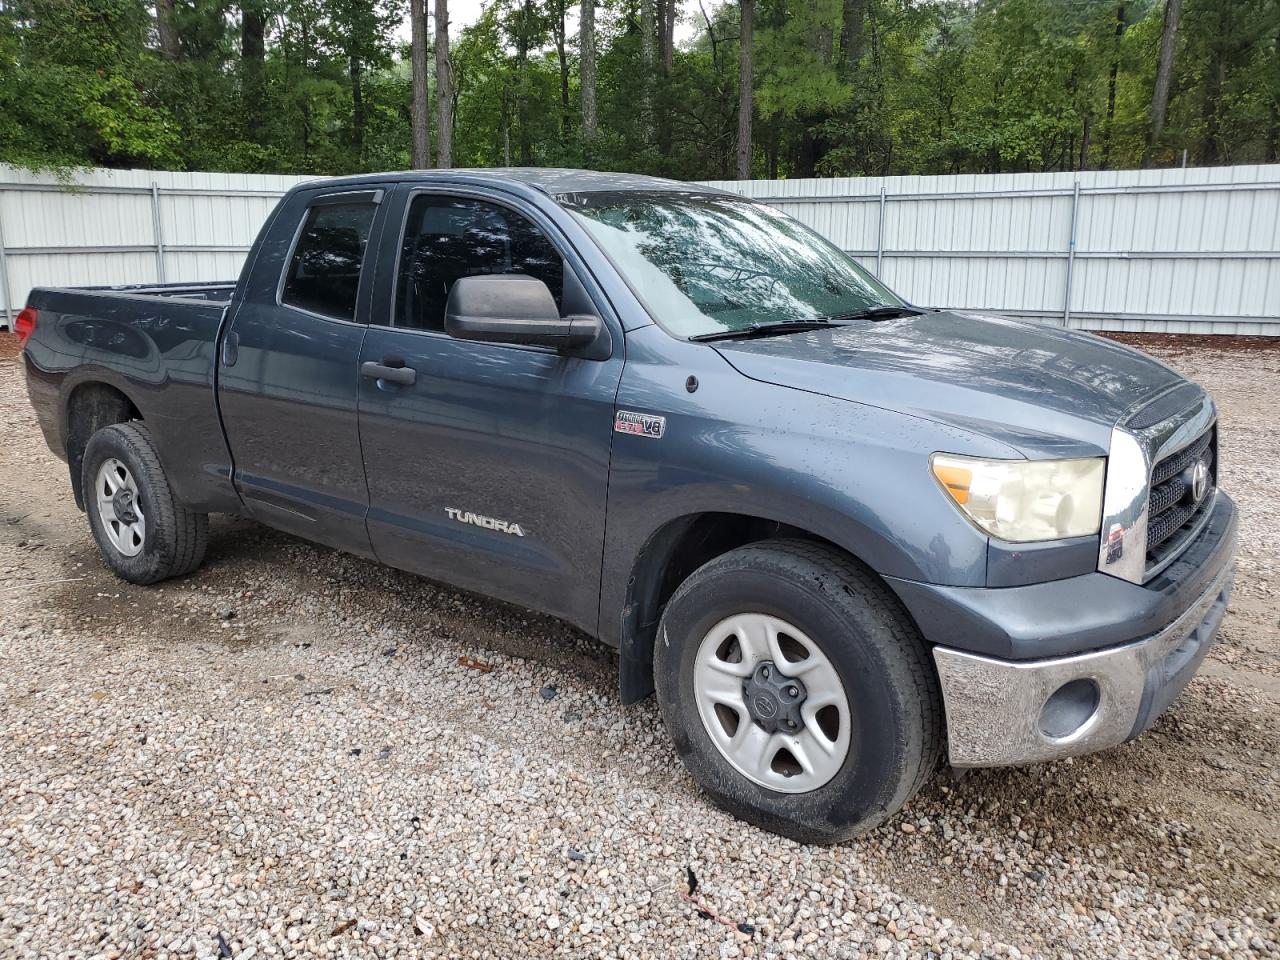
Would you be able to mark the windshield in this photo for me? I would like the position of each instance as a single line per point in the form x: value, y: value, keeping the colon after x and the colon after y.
x: 708, y: 263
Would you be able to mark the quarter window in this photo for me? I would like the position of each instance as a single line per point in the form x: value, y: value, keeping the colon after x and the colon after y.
x: 324, y: 274
x: 448, y: 238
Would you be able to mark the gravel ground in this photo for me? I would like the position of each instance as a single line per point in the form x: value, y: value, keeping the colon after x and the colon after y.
x: 297, y: 753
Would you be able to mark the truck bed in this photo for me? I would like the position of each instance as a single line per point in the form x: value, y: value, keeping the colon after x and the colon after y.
x: 154, y: 343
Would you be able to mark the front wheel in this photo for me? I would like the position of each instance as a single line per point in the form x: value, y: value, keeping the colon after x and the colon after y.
x: 142, y: 531
x: 797, y: 690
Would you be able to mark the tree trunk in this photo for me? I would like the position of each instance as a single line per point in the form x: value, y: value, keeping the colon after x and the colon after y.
x: 806, y: 157
x: 558, y: 30
x: 1210, y: 151
x: 1273, y: 133
x: 587, y: 51
x: 357, y: 108
x: 421, y: 150
x: 1164, y: 71
x: 444, y: 88
x: 666, y: 65
x: 167, y: 27
x: 648, y: 34
x: 1111, y: 88
x: 712, y: 39
x: 667, y: 36
x: 253, y: 49
x: 522, y: 62
x: 506, y: 127
x: 745, y: 81
x: 851, y: 22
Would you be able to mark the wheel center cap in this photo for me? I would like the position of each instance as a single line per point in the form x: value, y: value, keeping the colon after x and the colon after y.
x: 122, y: 504
x: 773, y: 699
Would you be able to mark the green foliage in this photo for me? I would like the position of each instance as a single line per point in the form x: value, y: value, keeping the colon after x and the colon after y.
x: 937, y: 86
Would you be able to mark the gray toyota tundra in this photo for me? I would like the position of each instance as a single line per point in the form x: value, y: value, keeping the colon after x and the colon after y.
x: 837, y: 533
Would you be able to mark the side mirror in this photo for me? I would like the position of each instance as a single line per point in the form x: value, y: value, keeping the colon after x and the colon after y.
x: 512, y: 308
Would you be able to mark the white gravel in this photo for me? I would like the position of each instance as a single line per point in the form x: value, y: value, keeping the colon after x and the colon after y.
x: 299, y: 753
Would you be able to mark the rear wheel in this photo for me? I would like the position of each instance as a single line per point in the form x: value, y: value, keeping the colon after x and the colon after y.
x: 798, y: 692
x: 142, y: 531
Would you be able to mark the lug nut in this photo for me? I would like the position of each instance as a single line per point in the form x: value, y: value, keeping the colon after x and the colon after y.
x: 791, y: 724
x: 764, y: 672
x: 793, y: 691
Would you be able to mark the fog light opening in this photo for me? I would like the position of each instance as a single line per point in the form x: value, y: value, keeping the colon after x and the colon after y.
x: 1069, y: 708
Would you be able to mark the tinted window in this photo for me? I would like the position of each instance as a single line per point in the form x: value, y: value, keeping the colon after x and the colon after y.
x: 325, y: 271
x: 446, y: 239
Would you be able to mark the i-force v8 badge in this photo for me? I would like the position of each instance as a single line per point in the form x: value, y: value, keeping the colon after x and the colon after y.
x: 639, y: 424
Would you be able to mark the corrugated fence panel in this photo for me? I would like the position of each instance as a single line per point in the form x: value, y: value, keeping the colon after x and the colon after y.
x: 108, y: 227
x: 212, y: 220
x: 61, y: 270
x: 1186, y: 250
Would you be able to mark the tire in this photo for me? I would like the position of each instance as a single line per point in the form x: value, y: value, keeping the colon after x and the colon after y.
x: 840, y: 611
x: 172, y: 539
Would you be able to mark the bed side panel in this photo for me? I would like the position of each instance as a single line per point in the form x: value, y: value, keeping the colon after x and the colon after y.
x: 160, y: 353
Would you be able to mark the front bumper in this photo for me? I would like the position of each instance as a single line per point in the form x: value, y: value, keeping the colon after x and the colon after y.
x: 999, y: 711
x: 1013, y: 711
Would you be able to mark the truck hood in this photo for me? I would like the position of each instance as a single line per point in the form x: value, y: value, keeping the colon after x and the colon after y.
x: 1041, y: 390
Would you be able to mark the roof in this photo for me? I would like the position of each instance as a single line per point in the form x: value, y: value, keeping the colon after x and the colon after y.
x: 553, y: 181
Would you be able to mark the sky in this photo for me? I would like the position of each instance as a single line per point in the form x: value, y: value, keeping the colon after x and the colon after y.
x: 463, y: 13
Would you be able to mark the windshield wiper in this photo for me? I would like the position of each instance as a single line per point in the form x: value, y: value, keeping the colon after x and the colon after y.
x: 883, y: 311
x: 764, y: 330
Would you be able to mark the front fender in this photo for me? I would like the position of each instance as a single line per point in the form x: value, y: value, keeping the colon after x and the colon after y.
x: 853, y: 474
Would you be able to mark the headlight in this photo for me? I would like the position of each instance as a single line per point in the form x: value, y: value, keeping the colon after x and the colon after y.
x: 1025, y: 500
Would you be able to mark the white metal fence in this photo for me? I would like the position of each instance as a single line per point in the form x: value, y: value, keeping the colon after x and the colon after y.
x: 1182, y: 251
x: 1194, y: 250
x: 126, y: 226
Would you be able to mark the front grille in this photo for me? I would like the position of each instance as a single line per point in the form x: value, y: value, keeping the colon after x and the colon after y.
x: 1173, y: 515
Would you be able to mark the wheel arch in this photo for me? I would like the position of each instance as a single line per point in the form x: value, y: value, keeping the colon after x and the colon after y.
x: 672, y: 552
x: 90, y: 406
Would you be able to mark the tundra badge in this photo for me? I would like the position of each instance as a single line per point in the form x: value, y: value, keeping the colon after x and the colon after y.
x: 488, y: 523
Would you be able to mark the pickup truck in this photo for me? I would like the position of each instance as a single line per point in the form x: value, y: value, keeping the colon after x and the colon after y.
x: 838, y: 534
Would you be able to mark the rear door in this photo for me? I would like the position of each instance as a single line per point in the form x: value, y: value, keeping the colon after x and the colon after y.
x: 288, y: 375
x: 489, y: 470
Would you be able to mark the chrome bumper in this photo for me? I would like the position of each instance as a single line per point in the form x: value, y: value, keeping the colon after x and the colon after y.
x: 996, y: 708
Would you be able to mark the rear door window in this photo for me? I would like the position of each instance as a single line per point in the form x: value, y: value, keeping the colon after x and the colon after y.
x: 324, y: 274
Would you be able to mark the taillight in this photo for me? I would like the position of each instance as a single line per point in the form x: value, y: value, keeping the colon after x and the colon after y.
x: 24, y: 324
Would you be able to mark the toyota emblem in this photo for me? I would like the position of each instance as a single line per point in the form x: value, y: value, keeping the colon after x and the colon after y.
x: 1199, y: 480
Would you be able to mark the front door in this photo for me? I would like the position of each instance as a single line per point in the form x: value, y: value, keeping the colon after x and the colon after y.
x: 289, y: 370
x: 487, y: 463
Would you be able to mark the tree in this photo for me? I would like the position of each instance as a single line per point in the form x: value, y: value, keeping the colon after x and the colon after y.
x: 421, y: 122
x: 745, y: 80
x: 526, y: 32
x: 1111, y: 86
x: 1164, y: 70
x: 253, y: 63
x: 853, y: 17
x: 359, y: 30
x: 587, y: 68
x: 832, y: 87
x: 444, y: 88
x: 558, y: 8
x: 167, y: 28
x: 666, y: 64
x: 647, y: 37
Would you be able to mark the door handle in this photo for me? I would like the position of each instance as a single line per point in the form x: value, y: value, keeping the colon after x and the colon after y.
x: 230, y: 349
x: 405, y: 376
